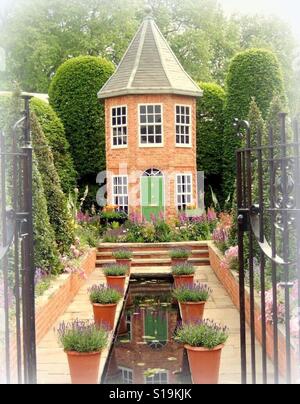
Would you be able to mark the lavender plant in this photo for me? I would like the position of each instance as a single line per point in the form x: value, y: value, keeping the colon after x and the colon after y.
x: 180, y: 253
x: 115, y: 270
x: 100, y: 294
x: 205, y: 334
x: 122, y: 254
x: 82, y: 336
x: 197, y: 293
x: 183, y: 269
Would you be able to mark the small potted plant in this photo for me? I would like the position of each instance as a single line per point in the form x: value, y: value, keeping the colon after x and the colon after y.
x: 104, y: 301
x: 204, y: 342
x: 116, y: 277
x: 183, y: 275
x: 179, y: 256
x: 83, y: 342
x: 123, y: 257
x: 192, y: 300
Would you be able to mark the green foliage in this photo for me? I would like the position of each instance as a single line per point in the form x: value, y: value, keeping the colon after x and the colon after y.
x: 100, y: 294
x: 45, y: 249
x: 122, y: 254
x: 207, y: 334
x: 196, y: 293
x: 60, y: 218
x: 115, y: 270
x: 210, y: 127
x: 252, y: 73
x: 183, y: 269
x: 73, y: 95
x: 55, y: 134
x: 180, y: 253
x: 88, y: 233
x: 82, y: 336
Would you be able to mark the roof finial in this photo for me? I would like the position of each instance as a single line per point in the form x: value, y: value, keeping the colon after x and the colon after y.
x: 148, y: 12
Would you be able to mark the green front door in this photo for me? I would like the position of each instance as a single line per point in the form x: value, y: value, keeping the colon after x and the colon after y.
x: 152, y: 196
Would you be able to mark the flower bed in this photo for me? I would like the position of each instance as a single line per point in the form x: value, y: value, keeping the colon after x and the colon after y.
x: 230, y: 281
x: 182, y: 228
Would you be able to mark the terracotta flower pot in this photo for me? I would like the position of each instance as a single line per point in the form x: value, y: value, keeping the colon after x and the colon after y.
x: 104, y: 314
x: 117, y: 283
x: 124, y: 262
x: 183, y: 280
x: 191, y: 312
x: 84, y: 367
x: 204, y: 364
x: 178, y: 261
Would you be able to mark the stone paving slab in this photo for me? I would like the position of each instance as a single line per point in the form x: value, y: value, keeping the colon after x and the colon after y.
x: 52, y: 362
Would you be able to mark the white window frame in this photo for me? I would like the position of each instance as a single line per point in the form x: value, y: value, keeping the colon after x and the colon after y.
x: 129, y: 371
x: 112, y: 127
x: 183, y: 193
x: 165, y: 372
x: 122, y: 194
x: 142, y: 124
x: 185, y: 125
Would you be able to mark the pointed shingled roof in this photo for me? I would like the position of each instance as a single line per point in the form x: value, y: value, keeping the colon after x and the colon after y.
x: 149, y: 66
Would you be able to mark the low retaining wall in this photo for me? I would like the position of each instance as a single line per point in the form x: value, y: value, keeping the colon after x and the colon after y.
x: 55, y: 300
x: 230, y: 281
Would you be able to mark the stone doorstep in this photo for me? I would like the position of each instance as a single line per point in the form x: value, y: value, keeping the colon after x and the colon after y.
x: 151, y: 252
x: 149, y: 245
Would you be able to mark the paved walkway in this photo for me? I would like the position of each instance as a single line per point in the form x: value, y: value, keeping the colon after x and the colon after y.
x: 52, y: 362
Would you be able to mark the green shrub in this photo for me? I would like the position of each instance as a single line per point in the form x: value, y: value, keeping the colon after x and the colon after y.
x: 205, y: 334
x: 252, y: 73
x: 196, y: 293
x: 180, y: 253
x: 82, y: 336
x: 55, y: 134
x: 183, y: 269
x: 122, y: 254
x: 46, y: 254
x: 100, y: 294
x: 210, y: 128
x: 73, y: 95
x: 115, y: 270
x: 60, y: 218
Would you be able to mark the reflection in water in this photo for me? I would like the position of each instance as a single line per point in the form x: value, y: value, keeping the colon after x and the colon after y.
x: 144, y: 351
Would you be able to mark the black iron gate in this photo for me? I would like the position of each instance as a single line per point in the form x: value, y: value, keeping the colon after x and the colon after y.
x: 268, y: 199
x: 17, y: 322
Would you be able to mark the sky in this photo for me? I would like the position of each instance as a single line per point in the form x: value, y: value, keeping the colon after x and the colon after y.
x: 288, y: 10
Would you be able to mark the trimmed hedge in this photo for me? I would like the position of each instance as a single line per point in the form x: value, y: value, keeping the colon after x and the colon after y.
x: 59, y: 215
x: 210, y: 128
x: 73, y: 95
x: 55, y: 134
x: 252, y: 73
x: 46, y: 254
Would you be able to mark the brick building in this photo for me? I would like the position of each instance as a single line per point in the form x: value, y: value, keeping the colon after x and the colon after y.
x: 150, y: 112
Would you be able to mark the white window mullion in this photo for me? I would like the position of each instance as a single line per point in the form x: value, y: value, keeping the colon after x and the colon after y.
x: 120, y: 192
x: 183, y: 191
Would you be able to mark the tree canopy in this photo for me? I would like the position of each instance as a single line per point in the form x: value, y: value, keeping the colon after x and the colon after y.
x: 39, y: 35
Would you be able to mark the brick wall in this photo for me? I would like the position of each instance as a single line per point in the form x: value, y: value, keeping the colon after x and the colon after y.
x: 230, y: 281
x: 54, y: 302
x: 168, y: 159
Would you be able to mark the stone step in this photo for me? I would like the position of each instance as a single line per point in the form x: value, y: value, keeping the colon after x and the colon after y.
x: 151, y: 253
x: 151, y: 262
x: 144, y: 247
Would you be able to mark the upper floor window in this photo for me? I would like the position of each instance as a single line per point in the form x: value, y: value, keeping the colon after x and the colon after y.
x: 119, y: 126
x: 183, y: 125
x: 151, y: 132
